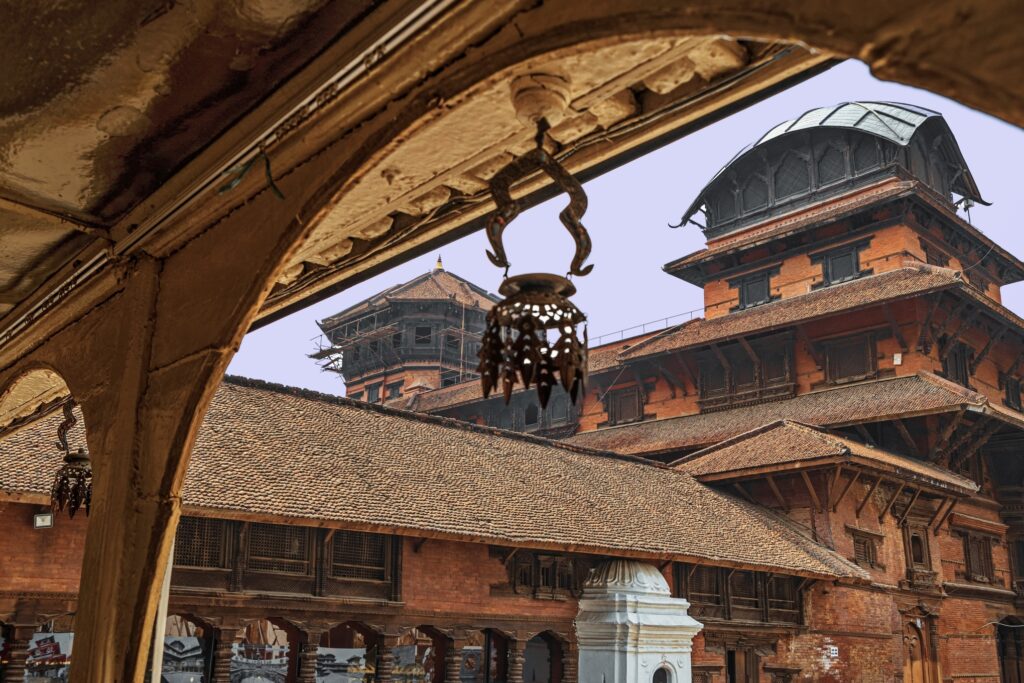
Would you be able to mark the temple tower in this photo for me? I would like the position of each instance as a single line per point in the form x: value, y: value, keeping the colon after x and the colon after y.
x: 420, y: 335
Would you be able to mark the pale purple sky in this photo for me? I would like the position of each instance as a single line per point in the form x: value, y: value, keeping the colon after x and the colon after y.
x: 628, y: 216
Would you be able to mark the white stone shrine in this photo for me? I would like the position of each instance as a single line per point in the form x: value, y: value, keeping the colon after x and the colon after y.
x: 630, y: 629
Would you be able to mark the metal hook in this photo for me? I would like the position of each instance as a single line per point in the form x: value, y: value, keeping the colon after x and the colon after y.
x: 508, y: 208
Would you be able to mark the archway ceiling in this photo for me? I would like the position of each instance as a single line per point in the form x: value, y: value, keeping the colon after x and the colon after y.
x: 121, y: 118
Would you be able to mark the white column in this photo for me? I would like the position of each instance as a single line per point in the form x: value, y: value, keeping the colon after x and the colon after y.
x: 629, y: 626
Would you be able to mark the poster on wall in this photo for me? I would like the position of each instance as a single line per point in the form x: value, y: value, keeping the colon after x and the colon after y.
x: 49, y: 657
x: 184, y: 660
x: 259, y: 663
x: 343, y: 665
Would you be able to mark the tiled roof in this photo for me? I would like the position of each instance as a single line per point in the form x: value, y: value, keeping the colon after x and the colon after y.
x: 285, y: 454
x: 784, y: 444
x: 919, y: 394
x: 433, y: 286
x: 874, y: 289
x: 599, y: 358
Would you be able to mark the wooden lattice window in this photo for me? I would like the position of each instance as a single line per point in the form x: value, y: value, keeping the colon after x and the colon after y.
x: 744, y: 595
x: 1012, y: 387
x: 850, y: 359
x: 783, y: 598
x: 625, y: 405
x: 978, y: 556
x: 755, y: 194
x: 831, y: 166
x: 791, y: 177
x: 279, y: 549
x: 200, y: 543
x: 724, y: 206
x: 865, y: 155
x: 358, y: 555
x: 956, y: 366
x: 705, y: 586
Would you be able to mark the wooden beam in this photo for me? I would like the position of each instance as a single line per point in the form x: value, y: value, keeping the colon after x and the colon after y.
x: 418, y: 543
x: 910, y: 506
x: 329, y: 536
x: 953, y: 315
x: 775, y: 491
x: 992, y: 341
x: 849, y: 485
x: 1016, y: 365
x: 801, y: 334
x: 750, y: 351
x: 971, y: 432
x: 888, y: 506
x: 979, y: 443
x: 945, y: 515
x: 721, y: 357
x: 901, y: 427
x: 925, y: 338
x: 743, y: 492
x: 681, y: 359
x: 938, y: 511
x: 894, y: 326
x: 954, y: 336
x: 867, y: 497
x: 865, y: 434
x: 673, y: 381
x: 833, y: 484
x: 810, y: 490
x: 947, y: 433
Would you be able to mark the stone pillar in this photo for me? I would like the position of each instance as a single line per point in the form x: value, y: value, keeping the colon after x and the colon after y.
x: 14, y: 672
x: 629, y: 626
x: 516, y: 657
x: 453, y: 661
x: 386, y: 659
x: 570, y: 663
x: 222, y: 653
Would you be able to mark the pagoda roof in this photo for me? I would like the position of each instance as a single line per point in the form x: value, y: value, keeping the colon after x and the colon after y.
x: 436, y: 285
x: 290, y: 456
x: 910, y: 396
x: 788, y: 445
x: 912, y: 280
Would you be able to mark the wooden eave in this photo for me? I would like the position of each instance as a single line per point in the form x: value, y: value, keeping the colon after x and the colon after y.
x: 848, y: 461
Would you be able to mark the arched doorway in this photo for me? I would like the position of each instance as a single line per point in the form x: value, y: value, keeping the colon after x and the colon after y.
x: 348, y: 650
x: 264, y: 654
x: 1010, y: 644
x: 188, y: 657
x: 919, y: 663
x: 543, y: 659
x: 420, y: 655
x: 662, y: 675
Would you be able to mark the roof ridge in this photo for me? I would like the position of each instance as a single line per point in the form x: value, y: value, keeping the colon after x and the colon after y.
x: 452, y: 423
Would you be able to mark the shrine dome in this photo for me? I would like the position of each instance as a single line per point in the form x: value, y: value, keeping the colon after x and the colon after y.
x: 827, y: 152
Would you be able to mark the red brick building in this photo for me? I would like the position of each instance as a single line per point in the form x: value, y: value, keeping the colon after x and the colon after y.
x: 843, y: 291
x: 827, y: 465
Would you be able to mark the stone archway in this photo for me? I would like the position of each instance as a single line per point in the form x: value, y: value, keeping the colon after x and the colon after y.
x: 145, y: 344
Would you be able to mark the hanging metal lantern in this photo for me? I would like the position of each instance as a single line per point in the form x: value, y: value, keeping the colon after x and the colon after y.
x: 72, y: 487
x: 532, y: 334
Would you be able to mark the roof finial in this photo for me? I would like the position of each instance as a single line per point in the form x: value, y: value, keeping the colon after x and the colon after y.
x: 439, y: 265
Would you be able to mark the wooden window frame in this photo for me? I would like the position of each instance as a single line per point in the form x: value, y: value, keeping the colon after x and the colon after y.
x: 743, y: 282
x: 304, y: 567
x: 373, y: 392
x: 958, y: 359
x: 1012, y: 393
x: 872, y: 543
x: 614, y: 399
x: 385, y: 567
x: 825, y: 259
x: 180, y: 549
x: 723, y: 605
x: 982, y: 569
x: 870, y: 348
x: 394, y: 390
x: 421, y: 339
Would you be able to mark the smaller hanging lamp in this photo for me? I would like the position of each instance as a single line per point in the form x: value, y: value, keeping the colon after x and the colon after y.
x: 532, y: 334
x: 72, y: 487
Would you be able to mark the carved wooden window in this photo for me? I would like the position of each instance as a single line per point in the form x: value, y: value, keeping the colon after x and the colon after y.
x: 755, y: 194
x: 558, y: 409
x: 724, y: 205
x: 744, y: 595
x: 754, y: 290
x: 916, y: 540
x: 200, y: 543
x: 831, y: 166
x: 759, y: 371
x: 841, y: 264
x: 865, y: 548
x: 705, y: 586
x: 361, y: 556
x: 783, y: 598
x: 1012, y: 387
x: 625, y: 405
x: 978, y: 557
x: 957, y: 364
x: 850, y: 359
x: 423, y: 336
x: 791, y: 177
x: 522, y: 572
x: 279, y: 549
x: 865, y: 155
x: 373, y: 393
x: 396, y: 340
x: 394, y: 390
x: 934, y: 256
x: 532, y: 415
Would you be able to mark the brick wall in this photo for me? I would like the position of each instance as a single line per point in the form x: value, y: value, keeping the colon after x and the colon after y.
x: 47, y: 560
